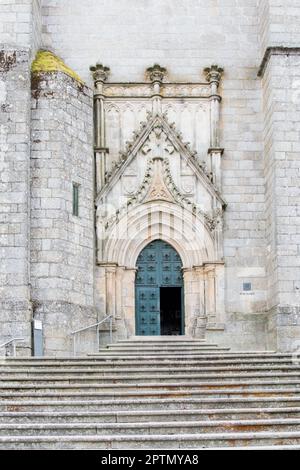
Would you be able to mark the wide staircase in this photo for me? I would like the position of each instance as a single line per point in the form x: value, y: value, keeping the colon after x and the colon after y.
x: 152, y: 393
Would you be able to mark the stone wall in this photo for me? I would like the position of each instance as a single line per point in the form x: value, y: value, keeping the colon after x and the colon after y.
x: 279, y: 22
x: 14, y: 195
x: 281, y: 84
x: 21, y: 23
x: 16, y: 37
x: 185, y: 37
x: 280, y: 72
x: 260, y: 134
x: 16, y: 23
x: 62, y: 245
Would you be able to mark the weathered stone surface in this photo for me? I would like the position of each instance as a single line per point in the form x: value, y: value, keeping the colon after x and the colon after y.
x: 47, y: 255
x: 151, y: 401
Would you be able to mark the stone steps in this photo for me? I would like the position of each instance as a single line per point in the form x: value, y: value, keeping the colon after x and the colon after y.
x: 140, y: 383
x: 165, y: 348
x: 144, y: 364
x: 149, y: 354
x: 98, y: 382
x: 180, y: 403
x: 150, y: 428
x: 100, y: 364
x: 148, y: 363
x: 246, y: 371
x: 158, y: 393
x: 148, y: 392
x: 96, y: 358
x: 147, y: 442
x: 64, y: 417
x: 209, y: 382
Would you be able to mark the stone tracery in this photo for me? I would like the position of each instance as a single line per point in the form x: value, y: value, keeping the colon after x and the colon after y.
x: 158, y: 187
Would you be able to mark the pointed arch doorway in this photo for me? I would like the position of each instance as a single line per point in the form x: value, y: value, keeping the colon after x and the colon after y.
x: 159, y: 291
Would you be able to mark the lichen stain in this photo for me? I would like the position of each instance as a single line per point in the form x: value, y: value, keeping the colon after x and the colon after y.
x: 46, y: 61
x: 7, y: 60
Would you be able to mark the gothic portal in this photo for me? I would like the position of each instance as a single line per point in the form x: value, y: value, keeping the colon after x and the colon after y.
x: 159, y: 194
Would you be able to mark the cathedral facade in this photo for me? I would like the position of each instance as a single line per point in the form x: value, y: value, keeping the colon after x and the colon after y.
x: 149, y: 173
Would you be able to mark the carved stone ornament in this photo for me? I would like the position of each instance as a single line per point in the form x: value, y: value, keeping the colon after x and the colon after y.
x: 100, y: 73
x: 156, y: 73
x: 158, y: 185
x: 158, y: 190
x: 214, y: 74
x: 157, y: 135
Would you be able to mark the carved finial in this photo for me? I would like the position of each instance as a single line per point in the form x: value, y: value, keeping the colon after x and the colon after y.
x: 156, y: 73
x: 214, y: 74
x: 100, y: 73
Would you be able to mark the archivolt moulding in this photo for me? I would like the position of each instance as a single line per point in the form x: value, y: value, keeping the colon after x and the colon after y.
x: 157, y: 220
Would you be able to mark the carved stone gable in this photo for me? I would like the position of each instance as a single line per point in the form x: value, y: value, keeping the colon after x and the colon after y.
x: 123, y: 108
x: 158, y: 138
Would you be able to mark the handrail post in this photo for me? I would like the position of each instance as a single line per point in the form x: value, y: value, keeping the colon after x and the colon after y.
x: 97, y: 326
x: 13, y: 342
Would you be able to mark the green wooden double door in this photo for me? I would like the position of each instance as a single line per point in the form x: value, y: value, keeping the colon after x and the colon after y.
x: 159, y: 291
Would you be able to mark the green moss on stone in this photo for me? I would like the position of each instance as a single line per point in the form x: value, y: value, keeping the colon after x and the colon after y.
x: 46, y: 61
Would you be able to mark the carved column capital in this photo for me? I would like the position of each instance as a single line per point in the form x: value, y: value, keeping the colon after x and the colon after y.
x: 100, y: 74
x: 156, y: 73
x: 214, y: 74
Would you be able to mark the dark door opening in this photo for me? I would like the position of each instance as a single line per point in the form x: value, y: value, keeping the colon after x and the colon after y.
x: 171, y: 311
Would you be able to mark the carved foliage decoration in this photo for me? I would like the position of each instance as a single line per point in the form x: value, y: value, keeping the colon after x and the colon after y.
x: 161, y: 128
x: 158, y: 185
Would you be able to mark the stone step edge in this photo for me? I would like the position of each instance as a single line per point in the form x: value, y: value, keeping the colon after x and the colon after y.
x: 93, y: 364
x: 154, y: 424
x: 152, y: 401
x: 152, y: 438
x: 128, y: 355
x: 201, y: 385
x: 136, y: 413
x: 229, y: 379
x: 158, y: 350
x: 154, y: 393
x: 150, y: 358
x: 132, y: 373
x: 148, y: 385
x: 150, y: 364
x: 160, y: 372
x: 162, y: 346
x: 94, y: 358
x: 175, y: 338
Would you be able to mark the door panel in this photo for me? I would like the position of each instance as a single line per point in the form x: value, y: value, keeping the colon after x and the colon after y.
x: 148, y: 308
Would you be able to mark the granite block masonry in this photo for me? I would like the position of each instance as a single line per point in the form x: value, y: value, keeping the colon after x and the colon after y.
x: 208, y: 140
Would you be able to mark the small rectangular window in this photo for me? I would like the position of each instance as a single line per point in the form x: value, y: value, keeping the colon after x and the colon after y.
x: 76, y: 200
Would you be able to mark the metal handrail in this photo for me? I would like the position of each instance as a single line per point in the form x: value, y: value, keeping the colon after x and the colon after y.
x: 95, y: 325
x: 13, y: 342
